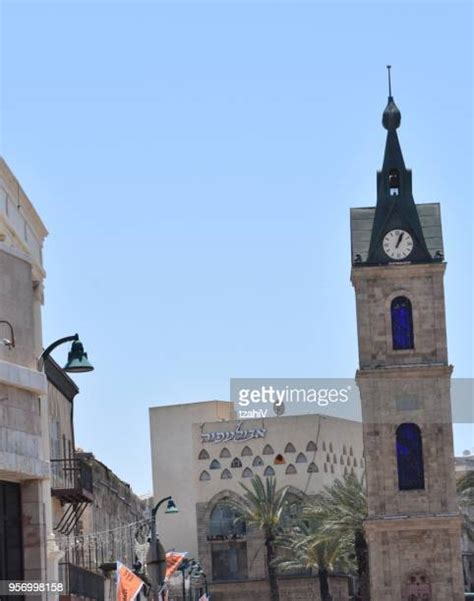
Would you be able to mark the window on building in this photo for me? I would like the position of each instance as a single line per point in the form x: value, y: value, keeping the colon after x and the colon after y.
x: 279, y: 460
x: 394, y: 182
x: 203, y: 454
x: 355, y: 461
x: 332, y: 469
x: 246, y: 452
x: 225, y: 521
x: 330, y: 448
x: 215, y: 465
x: 324, y: 446
x: 257, y: 461
x: 301, y: 458
x: 224, y: 453
x: 341, y: 461
x: 312, y: 468
x: 311, y: 446
x: 247, y: 473
x: 351, y: 452
x: 229, y: 561
x: 269, y: 471
x: 402, y: 323
x: 290, y: 448
x: 291, y: 469
x: 236, y: 462
x: 226, y: 475
x: 410, y: 457
x: 204, y: 476
x: 268, y: 450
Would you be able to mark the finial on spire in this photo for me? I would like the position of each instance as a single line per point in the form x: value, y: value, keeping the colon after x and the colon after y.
x: 389, y: 81
x: 391, y: 116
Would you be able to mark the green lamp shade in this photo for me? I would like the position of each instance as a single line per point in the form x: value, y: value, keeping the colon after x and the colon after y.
x: 77, y: 361
x: 171, y: 507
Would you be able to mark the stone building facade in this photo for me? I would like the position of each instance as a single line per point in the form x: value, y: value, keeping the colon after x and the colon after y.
x: 24, y: 456
x: 413, y: 526
x: 201, y: 470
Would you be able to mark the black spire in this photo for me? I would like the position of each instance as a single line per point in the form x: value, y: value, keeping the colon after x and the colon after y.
x: 396, y: 207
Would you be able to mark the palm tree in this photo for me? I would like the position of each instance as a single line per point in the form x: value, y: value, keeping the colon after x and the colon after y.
x: 465, y: 490
x: 341, y: 509
x: 308, y: 548
x: 263, y: 506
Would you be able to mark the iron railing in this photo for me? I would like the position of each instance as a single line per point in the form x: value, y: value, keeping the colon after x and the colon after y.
x: 71, y: 479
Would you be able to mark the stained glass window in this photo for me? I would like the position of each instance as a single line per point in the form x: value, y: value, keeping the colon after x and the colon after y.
x: 410, y: 458
x: 402, y: 323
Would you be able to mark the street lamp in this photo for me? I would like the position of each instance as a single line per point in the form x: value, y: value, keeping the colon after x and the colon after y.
x: 77, y: 361
x: 156, y: 556
x: 9, y: 342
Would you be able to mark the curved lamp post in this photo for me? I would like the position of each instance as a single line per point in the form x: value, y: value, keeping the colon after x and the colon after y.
x: 156, y: 556
x: 77, y: 361
x: 9, y: 342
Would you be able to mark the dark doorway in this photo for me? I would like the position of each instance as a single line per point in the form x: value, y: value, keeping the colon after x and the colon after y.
x: 11, y: 544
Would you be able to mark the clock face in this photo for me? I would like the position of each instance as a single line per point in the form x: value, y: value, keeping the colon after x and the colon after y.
x: 398, y: 244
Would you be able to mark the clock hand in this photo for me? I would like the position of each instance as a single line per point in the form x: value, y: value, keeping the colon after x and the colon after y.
x: 399, y: 239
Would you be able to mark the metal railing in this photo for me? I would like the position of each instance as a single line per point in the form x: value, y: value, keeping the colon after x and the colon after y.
x: 71, y: 474
x: 81, y: 582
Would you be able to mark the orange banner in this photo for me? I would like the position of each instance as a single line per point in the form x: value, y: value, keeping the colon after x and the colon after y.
x: 128, y: 584
x: 173, y: 561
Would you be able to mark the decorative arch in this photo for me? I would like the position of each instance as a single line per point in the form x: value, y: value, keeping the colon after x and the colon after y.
x: 290, y: 448
x: 203, y: 454
x: 258, y: 461
x: 246, y: 452
x: 312, y: 468
x: 225, y: 453
x: 311, y: 446
x: 204, y: 476
x: 268, y: 450
x: 291, y: 469
x: 301, y: 458
x: 402, y: 323
x: 269, y: 471
x: 247, y: 473
x: 279, y: 460
x: 409, y: 447
x: 215, y: 465
x: 226, y: 475
x: 236, y: 462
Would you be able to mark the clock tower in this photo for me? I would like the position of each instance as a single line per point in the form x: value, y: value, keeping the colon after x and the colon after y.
x: 413, y: 527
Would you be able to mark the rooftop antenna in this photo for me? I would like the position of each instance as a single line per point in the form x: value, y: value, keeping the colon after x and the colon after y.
x: 389, y: 81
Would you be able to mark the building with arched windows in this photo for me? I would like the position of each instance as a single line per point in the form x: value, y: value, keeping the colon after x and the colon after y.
x: 201, y: 454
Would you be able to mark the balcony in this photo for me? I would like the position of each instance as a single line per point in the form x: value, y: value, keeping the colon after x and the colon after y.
x: 71, y: 480
x: 81, y: 582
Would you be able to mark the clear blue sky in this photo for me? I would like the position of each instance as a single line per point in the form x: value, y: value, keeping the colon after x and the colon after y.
x: 195, y: 164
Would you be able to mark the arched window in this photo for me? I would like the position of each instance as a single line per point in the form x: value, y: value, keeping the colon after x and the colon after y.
x: 204, y: 476
x: 332, y: 469
x: 224, y: 521
x: 311, y: 446
x: 269, y: 471
x: 402, y: 323
x: 279, y: 460
x: 224, y: 453
x: 257, y: 461
x: 247, y: 473
x: 246, y: 452
x: 291, y: 469
x: 324, y: 446
x: 410, y: 458
x: 301, y: 458
x: 341, y: 460
x: 215, y: 465
x: 290, y: 448
x: 267, y: 450
x: 203, y: 454
x: 355, y: 461
x: 226, y: 475
x: 236, y: 462
x: 394, y: 182
x: 330, y: 448
x: 312, y: 468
